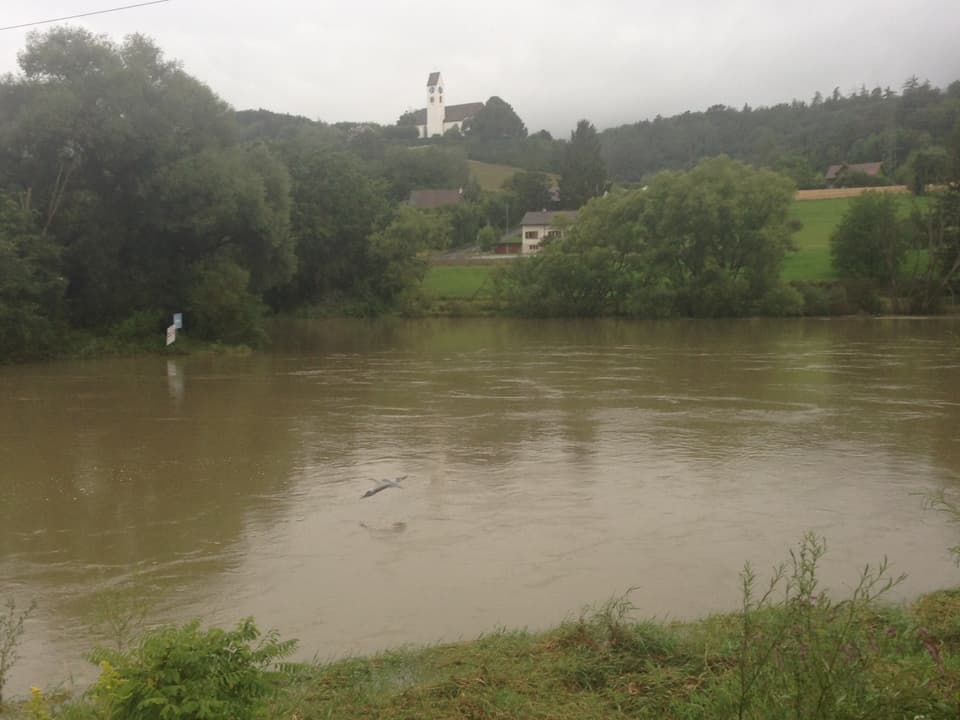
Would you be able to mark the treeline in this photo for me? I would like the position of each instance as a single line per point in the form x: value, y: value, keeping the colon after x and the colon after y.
x: 711, y: 243
x: 129, y: 190
x: 799, y: 138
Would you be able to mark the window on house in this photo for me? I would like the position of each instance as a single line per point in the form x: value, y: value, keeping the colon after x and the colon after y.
x: 531, y: 235
x: 553, y: 234
x: 431, y: 101
x: 534, y: 246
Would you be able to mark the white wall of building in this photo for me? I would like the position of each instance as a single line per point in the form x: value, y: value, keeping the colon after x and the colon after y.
x: 436, y: 108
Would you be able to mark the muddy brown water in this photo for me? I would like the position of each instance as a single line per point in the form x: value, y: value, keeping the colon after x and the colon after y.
x: 551, y: 465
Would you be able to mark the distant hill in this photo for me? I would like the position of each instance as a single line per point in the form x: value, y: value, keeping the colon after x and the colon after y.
x: 800, y: 137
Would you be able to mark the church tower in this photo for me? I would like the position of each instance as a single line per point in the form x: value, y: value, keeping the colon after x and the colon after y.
x: 436, y: 111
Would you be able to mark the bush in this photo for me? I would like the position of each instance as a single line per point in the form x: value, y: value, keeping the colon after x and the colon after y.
x: 185, y: 673
x: 782, y: 301
x: 816, y: 297
x: 11, y: 631
x: 220, y: 306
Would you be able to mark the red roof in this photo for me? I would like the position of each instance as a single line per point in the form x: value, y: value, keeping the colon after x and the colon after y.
x: 431, y: 199
x: 870, y: 168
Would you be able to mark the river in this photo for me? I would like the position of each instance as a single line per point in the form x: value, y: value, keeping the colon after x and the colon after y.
x: 550, y: 465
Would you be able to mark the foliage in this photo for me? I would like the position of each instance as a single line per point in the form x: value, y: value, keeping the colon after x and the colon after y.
x: 11, y: 632
x: 396, y: 254
x: 185, y: 672
x: 487, y: 237
x: 708, y: 242
x: 496, y: 121
x: 584, y: 174
x: 799, y: 169
x: 31, y: 283
x: 936, y: 231
x: 925, y: 167
x: 805, y: 651
x: 337, y: 203
x: 864, y: 126
x: 529, y: 191
x: 721, y: 232
x: 423, y: 168
x: 871, y: 240
x: 220, y: 305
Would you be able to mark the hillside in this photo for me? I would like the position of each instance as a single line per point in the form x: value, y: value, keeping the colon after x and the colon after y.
x: 491, y: 176
x: 799, y: 137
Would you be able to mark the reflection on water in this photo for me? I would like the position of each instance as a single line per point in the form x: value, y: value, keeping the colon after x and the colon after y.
x: 550, y: 465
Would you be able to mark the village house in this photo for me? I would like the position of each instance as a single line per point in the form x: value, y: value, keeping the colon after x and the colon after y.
x: 541, y: 227
x: 835, y: 172
x: 438, y: 117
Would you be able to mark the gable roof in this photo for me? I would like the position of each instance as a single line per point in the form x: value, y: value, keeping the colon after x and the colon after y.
x: 433, y: 79
x: 547, y: 217
x: 870, y: 168
x: 459, y: 113
x: 453, y: 113
x: 431, y: 199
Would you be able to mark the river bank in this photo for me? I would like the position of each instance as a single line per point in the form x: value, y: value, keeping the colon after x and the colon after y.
x: 783, y: 656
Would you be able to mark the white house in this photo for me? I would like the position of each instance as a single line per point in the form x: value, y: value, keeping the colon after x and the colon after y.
x: 536, y: 228
x: 438, y: 117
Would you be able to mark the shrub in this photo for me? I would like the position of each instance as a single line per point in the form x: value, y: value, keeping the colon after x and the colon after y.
x: 781, y: 301
x: 11, y: 631
x: 816, y: 298
x: 185, y: 673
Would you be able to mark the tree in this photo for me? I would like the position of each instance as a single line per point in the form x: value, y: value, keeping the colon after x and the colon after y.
x: 584, y: 174
x: 336, y: 205
x: 396, y: 254
x: 88, y: 126
x: 487, y: 237
x: 529, y: 191
x: 425, y: 167
x: 722, y: 231
x: 31, y: 283
x: 496, y: 121
x: 706, y: 242
x: 927, y: 166
x: 871, y: 241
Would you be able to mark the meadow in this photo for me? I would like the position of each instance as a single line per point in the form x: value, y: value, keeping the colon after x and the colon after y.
x: 810, y: 261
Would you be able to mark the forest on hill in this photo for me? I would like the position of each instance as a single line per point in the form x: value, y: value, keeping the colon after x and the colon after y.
x: 800, y: 138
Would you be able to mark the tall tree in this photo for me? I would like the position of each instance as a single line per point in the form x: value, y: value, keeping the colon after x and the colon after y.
x: 31, y: 282
x: 871, y: 241
x: 584, y: 174
x: 529, y: 191
x: 497, y: 121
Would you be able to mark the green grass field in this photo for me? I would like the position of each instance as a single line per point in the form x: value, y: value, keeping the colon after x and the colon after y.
x: 492, y: 176
x: 458, y: 282
x: 811, y: 261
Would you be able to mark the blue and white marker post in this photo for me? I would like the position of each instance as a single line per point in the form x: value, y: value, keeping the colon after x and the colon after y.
x: 172, y: 330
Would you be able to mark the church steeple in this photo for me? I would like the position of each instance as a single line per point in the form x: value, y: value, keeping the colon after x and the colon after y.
x: 436, y: 111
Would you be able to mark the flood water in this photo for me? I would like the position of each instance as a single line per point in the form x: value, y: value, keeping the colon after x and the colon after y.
x: 550, y: 464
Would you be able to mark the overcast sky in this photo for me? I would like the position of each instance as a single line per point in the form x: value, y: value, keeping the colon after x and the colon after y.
x: 611, y: 61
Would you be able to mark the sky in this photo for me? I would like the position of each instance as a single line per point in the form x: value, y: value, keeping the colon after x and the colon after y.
x: 610, y: 61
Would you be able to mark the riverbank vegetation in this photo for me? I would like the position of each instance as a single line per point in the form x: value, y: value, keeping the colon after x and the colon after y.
x: 792, y: 650
x: 129, y: 191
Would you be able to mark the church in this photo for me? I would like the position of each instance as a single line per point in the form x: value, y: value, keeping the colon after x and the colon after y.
x: 438, y: 117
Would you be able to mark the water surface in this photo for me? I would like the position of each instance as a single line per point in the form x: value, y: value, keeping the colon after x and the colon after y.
x: 551, y: 465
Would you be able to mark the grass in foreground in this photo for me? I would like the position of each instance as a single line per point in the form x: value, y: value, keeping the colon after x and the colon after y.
x: 790, y: 652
